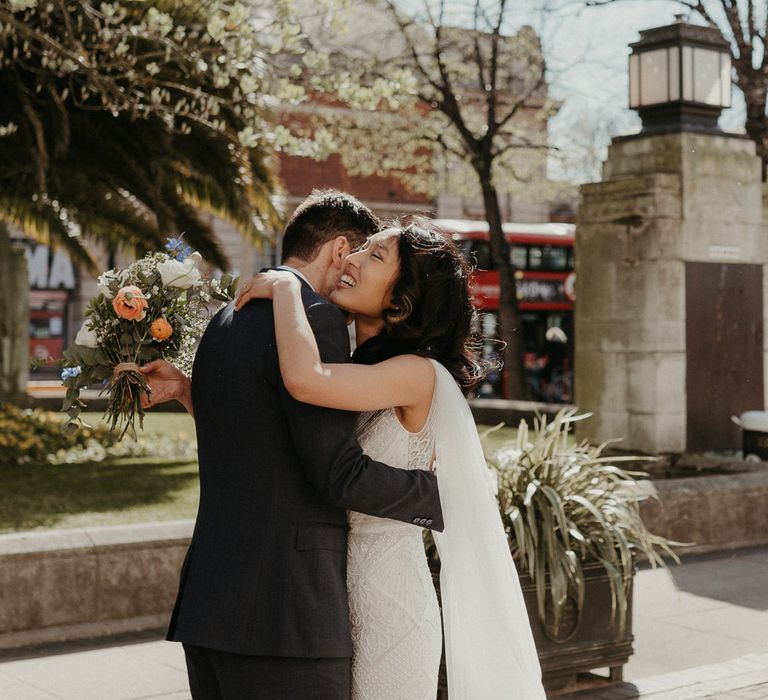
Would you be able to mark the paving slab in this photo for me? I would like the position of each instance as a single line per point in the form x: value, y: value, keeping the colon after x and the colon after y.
x: 13, y: 688
x: 745, y: 678
x: 128, y: 672
x: 710, y: 609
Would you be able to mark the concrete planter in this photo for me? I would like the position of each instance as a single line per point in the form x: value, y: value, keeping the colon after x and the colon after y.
x: 495, y: 411
x: 711, y: 513
x: 583, y: 642
x: 80, y: 584
x: 580, y: 643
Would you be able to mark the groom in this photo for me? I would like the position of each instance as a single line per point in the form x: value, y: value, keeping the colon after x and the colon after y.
x: 262, y: 604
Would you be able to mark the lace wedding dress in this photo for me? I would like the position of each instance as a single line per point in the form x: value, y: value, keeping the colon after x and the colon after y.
x: 396, y: 630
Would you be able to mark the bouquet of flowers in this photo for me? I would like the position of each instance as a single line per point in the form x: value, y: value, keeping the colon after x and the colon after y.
x: 157, y: 308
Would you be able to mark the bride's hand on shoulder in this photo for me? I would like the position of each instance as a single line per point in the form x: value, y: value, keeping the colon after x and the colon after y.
x: 263, y: 286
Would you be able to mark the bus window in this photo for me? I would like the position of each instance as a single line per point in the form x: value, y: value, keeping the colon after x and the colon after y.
x: 480, y: 255
x: 534, y: 257
x: 519, y: 257
x: 548, y: 257
x: 554, y: 257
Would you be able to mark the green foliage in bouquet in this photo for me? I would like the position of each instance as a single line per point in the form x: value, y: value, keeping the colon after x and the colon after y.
x: 32, y: 436
x: 157, y: 308
x: 563, y: 503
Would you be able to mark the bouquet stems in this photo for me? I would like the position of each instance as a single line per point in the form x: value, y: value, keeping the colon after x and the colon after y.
x: 125, y: 389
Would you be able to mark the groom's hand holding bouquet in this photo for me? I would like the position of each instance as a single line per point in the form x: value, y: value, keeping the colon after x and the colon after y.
x: 151, y: 313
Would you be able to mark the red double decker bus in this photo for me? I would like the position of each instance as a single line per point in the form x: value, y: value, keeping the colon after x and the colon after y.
x: 543, y: 257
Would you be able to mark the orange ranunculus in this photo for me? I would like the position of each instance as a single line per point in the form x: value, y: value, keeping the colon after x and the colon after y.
x: 129, y: 303
x: 161, y: 329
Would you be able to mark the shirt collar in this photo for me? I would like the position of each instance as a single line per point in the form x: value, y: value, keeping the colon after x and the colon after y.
x: 297, y: 273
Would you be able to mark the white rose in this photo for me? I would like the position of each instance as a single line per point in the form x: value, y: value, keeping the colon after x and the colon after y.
x: 182, y: 275
x: 86, y: 337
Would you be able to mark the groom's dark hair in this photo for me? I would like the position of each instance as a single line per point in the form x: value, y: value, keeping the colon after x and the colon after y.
x: 323, y: 216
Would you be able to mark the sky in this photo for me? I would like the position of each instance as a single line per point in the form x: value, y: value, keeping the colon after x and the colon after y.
x: 587, y: 50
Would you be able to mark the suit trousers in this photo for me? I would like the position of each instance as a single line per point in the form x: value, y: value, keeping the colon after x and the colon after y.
x: 220, y: 675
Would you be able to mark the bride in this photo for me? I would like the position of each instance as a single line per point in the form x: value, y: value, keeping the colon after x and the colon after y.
x: 407, y: 289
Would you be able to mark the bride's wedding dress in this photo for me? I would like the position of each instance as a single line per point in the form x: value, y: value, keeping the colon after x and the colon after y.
x: 396, y: 630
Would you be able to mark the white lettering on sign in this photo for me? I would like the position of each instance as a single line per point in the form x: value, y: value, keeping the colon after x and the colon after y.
x: 725, y: 252
x: 540, y: 290
x: 37, y: 266
x: 62, y: 273
x: 49, y: 272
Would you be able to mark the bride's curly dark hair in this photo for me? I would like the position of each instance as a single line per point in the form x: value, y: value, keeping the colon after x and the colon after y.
x: 431, y: 313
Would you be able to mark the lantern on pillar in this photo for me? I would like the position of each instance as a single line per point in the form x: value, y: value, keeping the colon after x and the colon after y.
x: 680, y: 78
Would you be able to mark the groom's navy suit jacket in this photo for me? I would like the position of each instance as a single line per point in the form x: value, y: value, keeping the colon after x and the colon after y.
x: 265, y: 573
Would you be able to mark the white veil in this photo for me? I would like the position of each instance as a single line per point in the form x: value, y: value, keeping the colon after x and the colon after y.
x: 489, y: 647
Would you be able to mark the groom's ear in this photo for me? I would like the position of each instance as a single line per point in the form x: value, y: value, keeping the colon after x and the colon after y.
x: 340, y: 250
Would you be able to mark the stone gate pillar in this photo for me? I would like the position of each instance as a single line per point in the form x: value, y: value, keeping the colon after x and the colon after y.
x: 670, y: 263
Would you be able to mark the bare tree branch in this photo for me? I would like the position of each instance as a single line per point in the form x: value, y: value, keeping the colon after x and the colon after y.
x: 521, y: 101
x: 482, y: 80
x: 492, y: 89
x: 404, y: 25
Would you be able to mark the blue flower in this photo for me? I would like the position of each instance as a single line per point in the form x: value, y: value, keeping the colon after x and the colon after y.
x: 177, y: 249
x: 70, y: 373
x: 185, y: 252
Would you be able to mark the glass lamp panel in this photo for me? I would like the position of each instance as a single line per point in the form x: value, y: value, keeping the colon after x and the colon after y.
x: 654, y: 76
x: 725, y: 80
x: 634, y: 81
x: 674, y: 73
x: 687, y: 73
x: 706, y: 74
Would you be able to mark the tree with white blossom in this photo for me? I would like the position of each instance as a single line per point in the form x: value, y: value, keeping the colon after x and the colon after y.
x: 455, y: 94
x: 123, y: 120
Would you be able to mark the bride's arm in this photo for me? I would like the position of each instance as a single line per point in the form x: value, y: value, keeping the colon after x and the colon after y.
x: 403, y: 381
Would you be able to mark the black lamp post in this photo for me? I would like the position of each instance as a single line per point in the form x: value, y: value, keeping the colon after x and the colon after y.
x: 680, y: 78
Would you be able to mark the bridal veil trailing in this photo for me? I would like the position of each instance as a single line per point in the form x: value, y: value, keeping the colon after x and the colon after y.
x: 490, y: 652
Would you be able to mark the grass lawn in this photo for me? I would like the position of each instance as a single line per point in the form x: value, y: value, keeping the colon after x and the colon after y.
x: 122, y: 491
x: 84, y: 495
x: 162, y: 423
x: 498, y: 437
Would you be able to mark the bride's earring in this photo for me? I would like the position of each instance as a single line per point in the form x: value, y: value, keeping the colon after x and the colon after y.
x: 394, y: 315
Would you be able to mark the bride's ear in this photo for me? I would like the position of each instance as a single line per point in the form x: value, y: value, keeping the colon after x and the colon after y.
x: 341, y: 249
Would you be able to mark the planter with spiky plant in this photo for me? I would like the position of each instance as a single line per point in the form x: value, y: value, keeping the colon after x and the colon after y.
x: 573, y: 522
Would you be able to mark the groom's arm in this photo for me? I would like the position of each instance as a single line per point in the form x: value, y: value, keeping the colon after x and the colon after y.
x: 334, y: 462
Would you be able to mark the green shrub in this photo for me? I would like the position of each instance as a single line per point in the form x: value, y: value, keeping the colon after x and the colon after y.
x: 564, y: 503
x: 29, y: 436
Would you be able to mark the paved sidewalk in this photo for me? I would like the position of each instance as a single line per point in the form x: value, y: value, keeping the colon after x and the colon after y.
x: 745, y: 678
x: 140, y: 670
x: 712, y: 608
x: 701, y: 633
